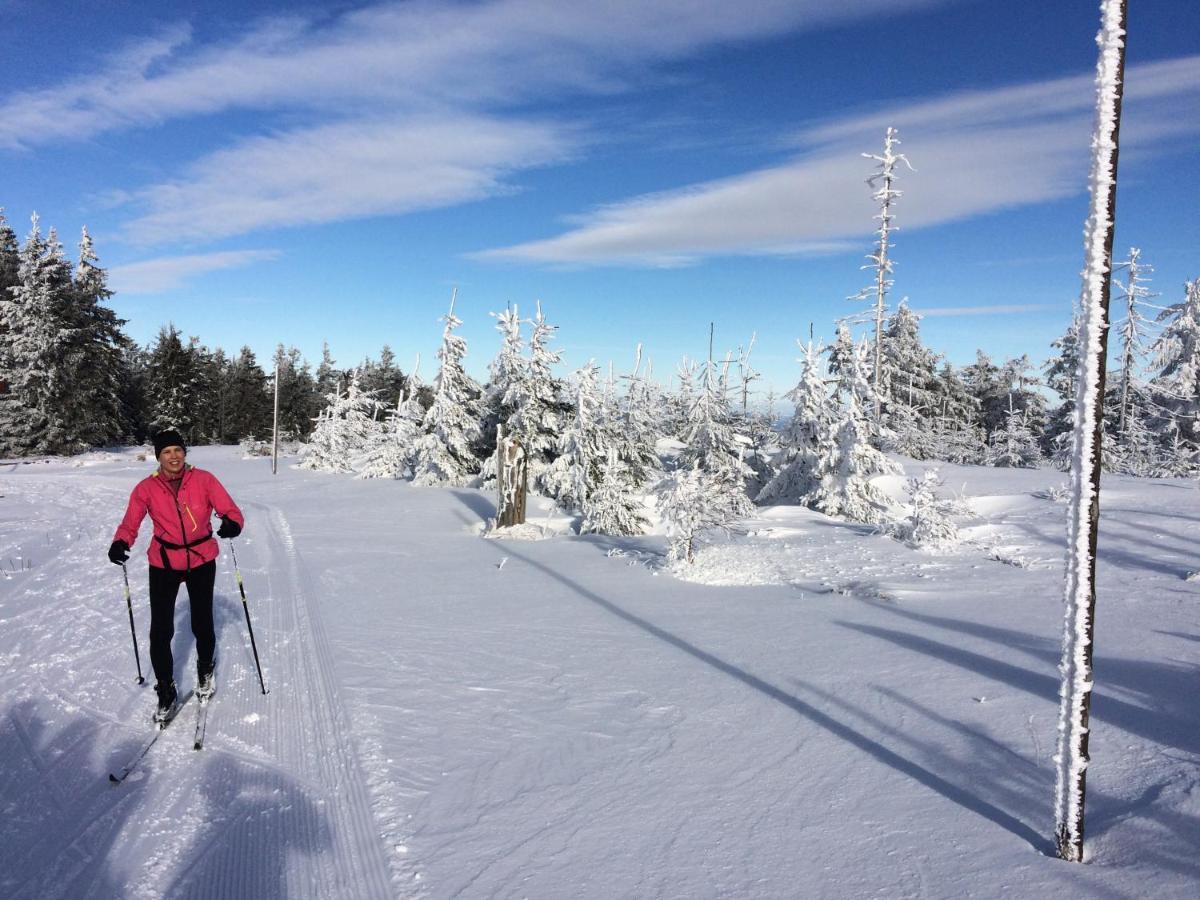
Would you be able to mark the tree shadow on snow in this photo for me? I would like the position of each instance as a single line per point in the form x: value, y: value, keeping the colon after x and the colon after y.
x: 61, y: 817
x: 935, y: 782
x: 1169, y: 716
x: 476, y: 502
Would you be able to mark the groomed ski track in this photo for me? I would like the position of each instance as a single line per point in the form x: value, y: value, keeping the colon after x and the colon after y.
x: 275, y: 803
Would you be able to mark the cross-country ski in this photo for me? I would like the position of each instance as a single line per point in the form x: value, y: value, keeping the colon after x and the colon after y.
x: 160, y: 725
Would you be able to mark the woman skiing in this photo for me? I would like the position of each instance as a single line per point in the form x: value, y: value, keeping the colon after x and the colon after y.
x: 180, y: 500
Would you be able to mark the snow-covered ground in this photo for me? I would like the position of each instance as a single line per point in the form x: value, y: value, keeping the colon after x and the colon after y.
x: 818, y: 711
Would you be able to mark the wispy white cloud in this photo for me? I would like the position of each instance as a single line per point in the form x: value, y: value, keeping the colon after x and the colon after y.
x: 408, y: 55
x: 153, y: 276
x: 342, y: 171
x: 403, y: 105
x: 934, y: 312
x: 975, y: 152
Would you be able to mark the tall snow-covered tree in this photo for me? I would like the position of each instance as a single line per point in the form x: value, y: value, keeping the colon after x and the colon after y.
x: 538, y: 417
x: 1175, y: 387
x: 584, y: 444
x: 847, y: 490
x: 97, y: 372
x: 391, y: 454
x: 913, y: 389
x: 1132, y: 329
x: 507, y: 371
x: 1061, y: 371
x: 344, y: 431
x: 248, y: 405
x: 615, y: 505
x: 809, y: 439
x: 642, y: 424
x: 880, y: 263
x: 37, y: 335
x: 444, y: 454
x: 174, y: 385
x: 298, y: 398
x: 712, y: 442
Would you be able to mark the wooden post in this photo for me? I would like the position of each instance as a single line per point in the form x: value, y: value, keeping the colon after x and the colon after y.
x: 275, y: 439
x: 512, y: 475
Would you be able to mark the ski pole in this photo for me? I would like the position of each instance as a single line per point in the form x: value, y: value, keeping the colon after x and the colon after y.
x: 246, y: 609
x: 137, y: 657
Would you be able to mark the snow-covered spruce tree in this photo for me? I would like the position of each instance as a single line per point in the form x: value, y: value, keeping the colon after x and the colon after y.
x: 507, y: 372
x: 1061, y: 371
x: 344, y: 432
x: 248, y: 406
x: 537, y: 420
x: 847, y: 491
x: 37, y: 337
x: 713, y: 444
x: 1132, y: 329
x: 175, y: 385
x: 583, y: 446
x: 809, y: 439
x: 880, y: 261
x: 444, y: 454
x: 641, y: 417
x: 1014, y: 444
x: 914, y: 395
x: 615, y: 505
x: 929, y: 523
x: 1071, y: 756
x: 1175, y: 388
x: 692, y: 507
x: 297, y: 394
x: 383, y: 378
x: 391, y: 454
x: 97, y: 374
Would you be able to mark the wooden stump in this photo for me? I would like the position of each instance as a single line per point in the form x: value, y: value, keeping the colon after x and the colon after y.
x: 512, y: 475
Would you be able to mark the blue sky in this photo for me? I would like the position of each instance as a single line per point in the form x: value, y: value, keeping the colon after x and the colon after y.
x: 264, y: 173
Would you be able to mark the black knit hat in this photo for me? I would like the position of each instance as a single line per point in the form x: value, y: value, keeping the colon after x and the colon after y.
x: 168, y: 438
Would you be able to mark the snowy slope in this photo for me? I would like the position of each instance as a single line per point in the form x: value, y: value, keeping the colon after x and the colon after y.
x: 454, y: 716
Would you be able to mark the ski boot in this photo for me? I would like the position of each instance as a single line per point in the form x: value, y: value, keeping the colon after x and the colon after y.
x: 206, y: 682
x: 168, y: 703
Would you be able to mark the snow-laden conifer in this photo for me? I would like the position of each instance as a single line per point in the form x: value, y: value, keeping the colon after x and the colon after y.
x: 929, y: 523
x: 1014, y: 444
x: 1175, y: 387
x: 847, y: 490
x: 507, y: 372
x: 642, y: 413
x: 391, y: 454
x: 444, y: 454
x: 537, y: 420
x: 880, y: 263
x: 809, y: 439
x: 614, y: 506
x: 1132, y: 330
x: 713, y: 444
x: 583, y: 446
x: 345, y: 429
x: 691, y: 505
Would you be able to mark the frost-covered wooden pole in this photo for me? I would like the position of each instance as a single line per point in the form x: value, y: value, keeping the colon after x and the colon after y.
x: 275, y: 427
x: 1076, y: 668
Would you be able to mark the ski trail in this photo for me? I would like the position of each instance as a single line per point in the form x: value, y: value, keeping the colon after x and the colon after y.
x: 312, y: 742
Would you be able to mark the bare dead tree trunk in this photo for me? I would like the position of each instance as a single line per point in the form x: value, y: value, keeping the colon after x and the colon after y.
x: 1074, y: 719
x: 512, y: 477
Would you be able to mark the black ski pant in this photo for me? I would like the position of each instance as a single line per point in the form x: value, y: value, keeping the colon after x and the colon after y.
x: 164, y: 588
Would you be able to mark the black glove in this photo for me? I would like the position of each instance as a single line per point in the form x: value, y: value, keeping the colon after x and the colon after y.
x: 118, y: 553
x: 229, y: 528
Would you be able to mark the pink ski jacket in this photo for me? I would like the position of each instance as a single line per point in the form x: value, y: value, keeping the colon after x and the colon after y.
x: 183, y: 535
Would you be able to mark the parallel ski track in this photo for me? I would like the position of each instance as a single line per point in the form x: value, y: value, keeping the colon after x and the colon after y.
x: 311, y: 741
